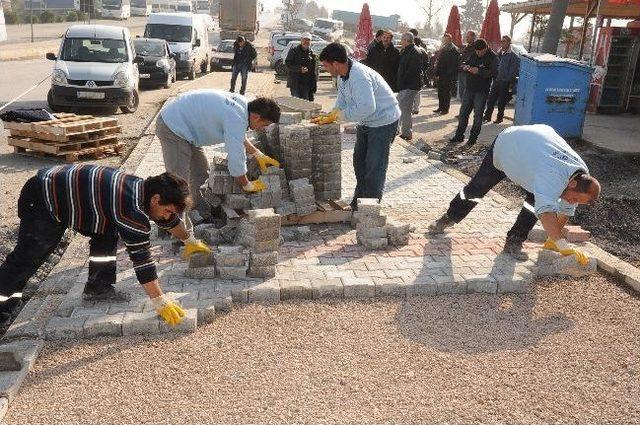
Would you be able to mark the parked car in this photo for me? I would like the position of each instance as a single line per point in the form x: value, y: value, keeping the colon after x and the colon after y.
x: 316, y: 47
x: 278, y: 40
x: 187, y: 36
x: 95, y: 66
x: 159, y: 66
x: 301, y: 25
x: 328, y: 29
x: 222, y: 56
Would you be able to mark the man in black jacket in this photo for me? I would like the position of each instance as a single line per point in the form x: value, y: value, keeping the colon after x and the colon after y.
x: 301, y: 63
x: 466, y: 53
x: 243, y: 55
x: 409, y: 82
x: 508, y: 70
x: 384, y: 58
x: 446, y: 72
x: 482, y: 68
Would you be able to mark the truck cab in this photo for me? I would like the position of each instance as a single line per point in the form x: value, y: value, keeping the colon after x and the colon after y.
x: 329, y: 29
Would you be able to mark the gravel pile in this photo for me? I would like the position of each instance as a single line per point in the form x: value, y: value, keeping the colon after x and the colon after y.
x: 566, y: 353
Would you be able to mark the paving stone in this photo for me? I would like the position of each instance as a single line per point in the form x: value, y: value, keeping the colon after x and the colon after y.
x: 32, y: 320
x: 266, y: 292
x: 421, y: 285
x: 537, y: 234
x: 262, y: 271
x: 296, y: 289
x: 390, y: 287
x: 89, y: 311
x: 514, y: 285
x: 201, y: 273
x: 327, y: 288
x: 147, y: 323
x: 65, y: 328
x: 206, y: 312
x: 201, y: 260
x: 189, y: 323
x: 232, y: 272
x: 212, y: 236
x: 371, y: 232
x: 379, y: 243
x: 264, y: 259
x: 107, y: 325
x: 359, y: 287
x: 25, y: 353
x: 482, y: 286
x: 446, y: 285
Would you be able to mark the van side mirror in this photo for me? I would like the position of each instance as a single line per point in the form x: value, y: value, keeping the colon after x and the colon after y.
x: 138, y: 59
x: 197, y: 43
x: 51, y: 56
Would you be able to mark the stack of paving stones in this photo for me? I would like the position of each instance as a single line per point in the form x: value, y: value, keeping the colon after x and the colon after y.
x: 371, y: 231
x: 398, y: 233
x: 221, y: 183
x: 294, y: 104
x: 269, y: 140
x: 303, y: 196
x: 260, y: 233
x: 231, y: 262
x: 296, y: 150
x: 271, y: 197
x: 326, y: 175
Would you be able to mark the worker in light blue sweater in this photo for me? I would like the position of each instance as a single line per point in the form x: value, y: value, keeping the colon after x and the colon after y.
x: 364, y: 97
x: 208, y: 117
x: 552, y: 174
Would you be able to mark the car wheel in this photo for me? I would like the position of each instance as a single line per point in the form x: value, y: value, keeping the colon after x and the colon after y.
x: 134, y: 101
x: 192, y: 73
x: 52, y: 106
x: 281, y: 68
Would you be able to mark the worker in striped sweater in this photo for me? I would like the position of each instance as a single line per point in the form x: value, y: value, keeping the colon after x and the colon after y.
x: 104, y: 204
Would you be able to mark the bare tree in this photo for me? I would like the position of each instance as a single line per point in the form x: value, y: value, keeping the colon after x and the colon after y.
x: 431, y: 8
x: 292, y: 9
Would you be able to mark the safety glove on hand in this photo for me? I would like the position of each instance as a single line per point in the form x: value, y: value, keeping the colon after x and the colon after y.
x: 168, y: 309
x: 254, y: 186
x: 264, y: 161
x: 195, y: 246
x: 329, y: 118
x: 563, y: 247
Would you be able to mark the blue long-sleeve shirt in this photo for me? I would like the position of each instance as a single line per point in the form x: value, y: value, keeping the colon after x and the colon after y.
x: 208, y: 117
x: 365, y: 97
x: 508, y: 66
x: 540, y: 161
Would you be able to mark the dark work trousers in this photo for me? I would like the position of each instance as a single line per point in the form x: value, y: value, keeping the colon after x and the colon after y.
x: 244, y: 72
x: 370, y: 160
x: 499, y: 93
x: 102, y: 259
x: 484, y: 180
x: 473, y: 101
x: 444, y: 94
x: 38, y: 236
x: 302, y: 90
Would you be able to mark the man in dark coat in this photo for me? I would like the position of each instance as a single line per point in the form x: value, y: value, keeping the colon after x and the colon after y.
x: 384, y: 58
x: 465, y: 54
x: 243, y: 55
x: 301, y: 63
x: 508, y: 70
x: 446, y: 72
x: 409, y: 83
x: 482, y: 68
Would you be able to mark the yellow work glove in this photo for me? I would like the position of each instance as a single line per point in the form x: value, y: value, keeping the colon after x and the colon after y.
x: 264, y: 161
x: 329, y: 118
x: 168, y: 309
x: 195, y: 246
x: 255, y: 186
x: 563, y: 247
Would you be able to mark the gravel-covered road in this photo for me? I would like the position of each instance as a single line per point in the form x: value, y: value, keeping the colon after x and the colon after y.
x: 567, y: 353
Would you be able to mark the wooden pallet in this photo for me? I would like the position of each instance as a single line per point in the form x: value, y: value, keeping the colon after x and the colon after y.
x: 328, y: 212
x: 65, y: 127
x: 55, y: 148
x: 97, y: 152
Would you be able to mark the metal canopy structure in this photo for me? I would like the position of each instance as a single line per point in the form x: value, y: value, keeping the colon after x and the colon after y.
x: 630, y: 10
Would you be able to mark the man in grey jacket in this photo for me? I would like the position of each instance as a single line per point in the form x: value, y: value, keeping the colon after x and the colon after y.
x: 508, y: 70
x: 553, y: 175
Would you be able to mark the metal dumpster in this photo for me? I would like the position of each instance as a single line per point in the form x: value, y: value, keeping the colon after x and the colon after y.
x: 553, y: 91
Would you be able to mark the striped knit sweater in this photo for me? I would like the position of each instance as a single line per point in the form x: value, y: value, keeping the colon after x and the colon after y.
x: 100, y: 200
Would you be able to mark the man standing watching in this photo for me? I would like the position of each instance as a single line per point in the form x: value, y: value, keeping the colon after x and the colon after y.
x: 552, y: 174
x: 481, y: 69
x: 376, y: 39
x: 470, y: 38
x: 243, y: 55
x: 384, y: 58
x: 365, y: 98
x: 409, y: 83
x: 301, y: 63
x: 104, y: 204
x: 446, y: 71
x: 207, y: 117
x: 508, y: 70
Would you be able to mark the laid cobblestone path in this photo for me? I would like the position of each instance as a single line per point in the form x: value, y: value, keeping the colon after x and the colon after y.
x: 331, y: 264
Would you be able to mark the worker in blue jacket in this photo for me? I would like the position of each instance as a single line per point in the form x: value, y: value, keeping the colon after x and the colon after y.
x: 364, y: 97
x: 508, y: 70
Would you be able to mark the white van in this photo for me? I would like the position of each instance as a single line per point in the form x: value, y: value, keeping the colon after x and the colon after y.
x: 187, y: 36
x: 95, y: 66
x: 329, y: 29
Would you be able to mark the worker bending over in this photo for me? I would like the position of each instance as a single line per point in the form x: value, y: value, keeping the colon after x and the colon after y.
x: 554, y: 177
x: 104, y: 204
x: 364, y: 97
x: 208, y: 117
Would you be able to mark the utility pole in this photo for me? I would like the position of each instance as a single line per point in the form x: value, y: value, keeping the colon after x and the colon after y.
x: 31, y: 17
x: 554, y: 27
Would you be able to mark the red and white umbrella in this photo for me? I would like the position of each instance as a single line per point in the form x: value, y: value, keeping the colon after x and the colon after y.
x: 364, y: 35
x: 453, y: 26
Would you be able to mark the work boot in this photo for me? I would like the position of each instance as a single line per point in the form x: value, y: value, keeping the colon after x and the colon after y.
x: 438, y: 226
x: 456, y: 139
x: 513, y: 247
x: 100, y: 292
x: 436, y: 110
x: 499, y: 119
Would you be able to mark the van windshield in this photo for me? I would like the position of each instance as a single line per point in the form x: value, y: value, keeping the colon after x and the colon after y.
x: 94, y: 50
x: 173, y: 33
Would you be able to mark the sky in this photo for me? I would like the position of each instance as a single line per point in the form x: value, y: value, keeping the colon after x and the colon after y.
x: 409, y: 10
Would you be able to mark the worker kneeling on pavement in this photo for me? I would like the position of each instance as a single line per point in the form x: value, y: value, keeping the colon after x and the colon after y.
x: 553, y: 175
x: 104, y: 204
x: 207, y: 117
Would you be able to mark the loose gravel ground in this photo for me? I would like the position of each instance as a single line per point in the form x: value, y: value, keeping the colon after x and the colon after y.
x: 566, y: 353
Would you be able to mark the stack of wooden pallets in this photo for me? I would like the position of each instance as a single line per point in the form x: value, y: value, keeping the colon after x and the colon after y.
x: 69, y: 137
